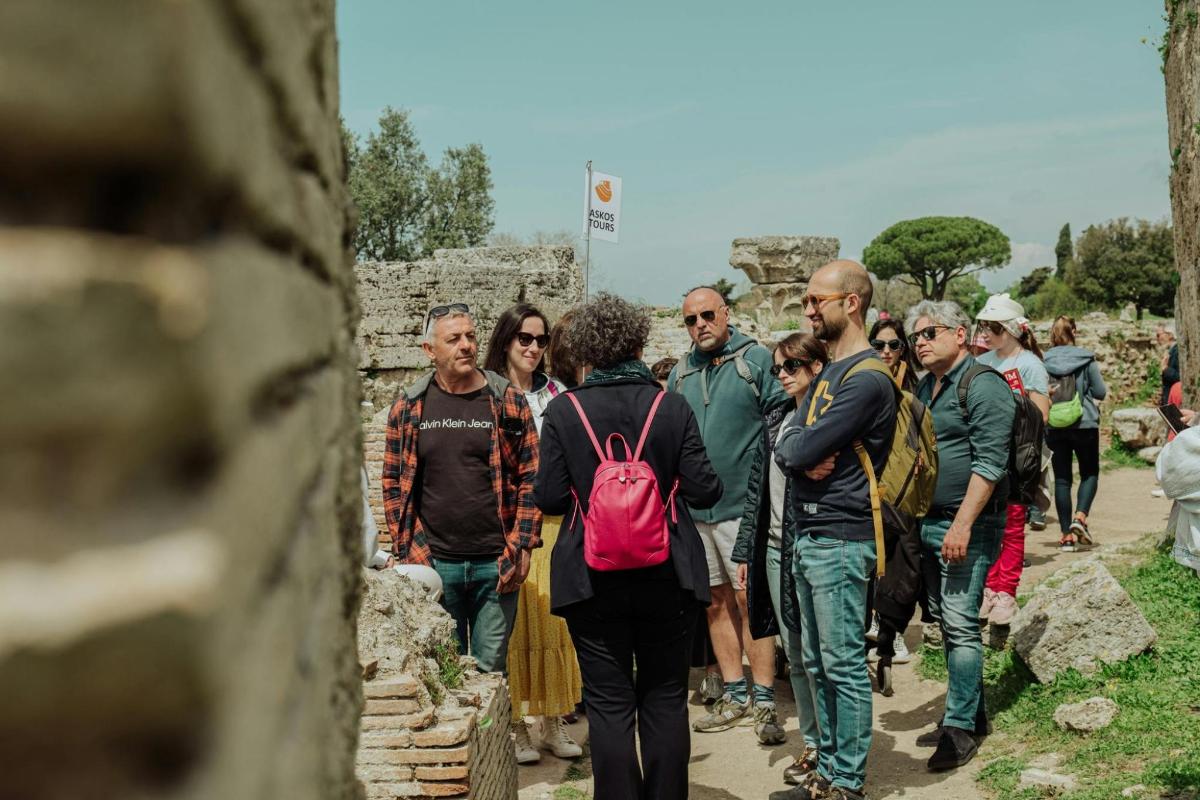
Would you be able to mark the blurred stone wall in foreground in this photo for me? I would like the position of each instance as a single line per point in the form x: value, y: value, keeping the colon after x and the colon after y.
x: 179, y: 438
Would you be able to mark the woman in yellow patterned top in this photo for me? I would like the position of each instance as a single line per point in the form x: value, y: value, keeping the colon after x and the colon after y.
x: 543, y: 673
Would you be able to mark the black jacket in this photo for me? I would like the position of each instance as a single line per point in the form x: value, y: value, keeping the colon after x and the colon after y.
x: 751, y: 546
x: 673, y: 449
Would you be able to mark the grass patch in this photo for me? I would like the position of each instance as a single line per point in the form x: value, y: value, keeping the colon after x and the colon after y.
x: 1155, y: 739
x: 570, y: 793
x: 1121, y: 456
x: 450, y: 669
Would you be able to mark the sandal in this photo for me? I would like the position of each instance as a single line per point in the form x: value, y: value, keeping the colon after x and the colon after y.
x: 1066, y: 543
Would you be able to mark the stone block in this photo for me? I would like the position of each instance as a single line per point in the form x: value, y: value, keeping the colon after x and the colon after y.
x: 782, y: 259
x: 444, y: 788
x: 1089, y: 716
x: 384, y: 738
x: 440, y: 773
x: 384, y: 773
x: 1139, y: 427
x: 430, y: 755
x: 396, y: 686
x: 392, y: 790
x: 1080, y: 618
x: 1150, y: 454
x: 445, y: 733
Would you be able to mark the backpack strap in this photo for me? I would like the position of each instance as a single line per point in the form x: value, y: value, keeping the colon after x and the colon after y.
x: 739, y: 364
x: 864, y: 459
x: 743, y: 368
x: 964, y: 385
x: 637, y: 456
x: 587, y: 426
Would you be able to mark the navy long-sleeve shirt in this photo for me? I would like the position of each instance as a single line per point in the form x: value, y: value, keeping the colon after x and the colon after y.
x: 832, y: 416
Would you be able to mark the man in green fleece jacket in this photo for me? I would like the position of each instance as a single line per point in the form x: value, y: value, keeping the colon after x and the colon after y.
x: 726, y: 378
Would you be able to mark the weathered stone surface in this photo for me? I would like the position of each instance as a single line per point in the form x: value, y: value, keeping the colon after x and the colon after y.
x: 394, y: 706
x: 1139, y: 427
x: 178, y: 433
x: 1181, y: 70
x: 445, y: 733
x: 1046, y: 780
x: 439, y: 773
x: 1149, y: 454
x: 400, y: 627
x: 1080, y: 618
x: 396, y: 686
x: 776, y: 304
x: 782, y: 259
x: 396, y: 297
x: 1088, y: 716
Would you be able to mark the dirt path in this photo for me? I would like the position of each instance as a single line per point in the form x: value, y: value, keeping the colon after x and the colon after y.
x: 733, y: 765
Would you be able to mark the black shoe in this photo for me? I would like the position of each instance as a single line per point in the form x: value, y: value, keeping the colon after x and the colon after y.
x: 931, y: 738
x: 956, y: 748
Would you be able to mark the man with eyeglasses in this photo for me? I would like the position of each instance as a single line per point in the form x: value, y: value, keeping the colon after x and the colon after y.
x: 727, y: 380
x: 961, y: 535
x: 458, y: 472
x: 833, y: 552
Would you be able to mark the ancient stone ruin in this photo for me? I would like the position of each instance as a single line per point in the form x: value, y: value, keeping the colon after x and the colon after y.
x: 395, y: 298
x: 432, y: 725
x: 779, y: 267
x: 179, y: 449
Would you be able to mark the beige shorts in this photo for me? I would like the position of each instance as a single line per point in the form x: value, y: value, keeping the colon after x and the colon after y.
x: 719, y: 539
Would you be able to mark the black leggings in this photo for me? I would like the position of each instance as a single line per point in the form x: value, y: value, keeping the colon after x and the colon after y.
x: 1082, y: 444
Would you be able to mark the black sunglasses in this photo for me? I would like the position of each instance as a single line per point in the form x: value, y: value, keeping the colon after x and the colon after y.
x: 890, y: 344
x: 437, y: 312
x: 708, y: 316
x: 928, y: 334
x: 790, y: 366
x: 526, y: 339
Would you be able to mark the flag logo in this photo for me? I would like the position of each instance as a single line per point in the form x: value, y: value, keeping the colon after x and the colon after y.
x: 604, y: 191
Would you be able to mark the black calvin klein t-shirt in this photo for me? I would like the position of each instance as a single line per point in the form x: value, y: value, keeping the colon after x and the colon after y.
x: 459, y: 508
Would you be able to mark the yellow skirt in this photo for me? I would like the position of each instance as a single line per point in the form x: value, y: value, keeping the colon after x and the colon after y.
x: 543, y: 672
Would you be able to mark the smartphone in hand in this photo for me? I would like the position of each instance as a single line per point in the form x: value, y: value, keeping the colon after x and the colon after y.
x: 1174, y: 419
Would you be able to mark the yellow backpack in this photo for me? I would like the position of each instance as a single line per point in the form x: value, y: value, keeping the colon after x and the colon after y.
x: 904, y: 492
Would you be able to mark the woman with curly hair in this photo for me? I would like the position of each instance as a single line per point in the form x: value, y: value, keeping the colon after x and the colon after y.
x: 645, y: 614
x: 543, y: 674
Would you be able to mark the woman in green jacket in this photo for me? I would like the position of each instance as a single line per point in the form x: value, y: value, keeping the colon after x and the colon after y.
x: 763, y: 549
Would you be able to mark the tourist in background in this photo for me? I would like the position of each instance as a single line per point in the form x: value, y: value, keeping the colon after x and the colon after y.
x: 1074, y: 428
x: 726, y: 377
x: 460, y: 457
x: 834, y: 553
x: 899, y: 592
x: 1169, y: 365
x: 1014, y: 353
x: 962, y: 531
x: 764, y: 567
x: 662, y: 370
x: 563, y: 366
x: 622, y: 617
x: 543, y: 674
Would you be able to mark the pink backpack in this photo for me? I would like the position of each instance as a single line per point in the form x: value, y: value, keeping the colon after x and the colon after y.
x: 625, y: 526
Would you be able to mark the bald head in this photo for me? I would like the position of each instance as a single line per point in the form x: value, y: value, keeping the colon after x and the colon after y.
x: 846, y: 277
x: 703, y: 294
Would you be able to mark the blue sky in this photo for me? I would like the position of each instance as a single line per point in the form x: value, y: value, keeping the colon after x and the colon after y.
x: 821, y: 118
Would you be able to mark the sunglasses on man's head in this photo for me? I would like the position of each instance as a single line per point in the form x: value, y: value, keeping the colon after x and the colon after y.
x: 707, y: 316
x: 890, y: 344
x: 437, y: 312
x: 928, y: 334
x: 526, y: 339
x: 790, y: 366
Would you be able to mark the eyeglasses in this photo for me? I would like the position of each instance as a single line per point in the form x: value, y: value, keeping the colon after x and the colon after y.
x: 928, y: 334
x: 437, y: 312
x: 526, y: 339
x: 707, y: 316
x: 817, y: 300
x: 790, y: 366
x: 890, y: 344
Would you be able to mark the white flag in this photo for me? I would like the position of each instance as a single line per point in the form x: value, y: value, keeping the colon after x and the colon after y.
x: 605, y: 206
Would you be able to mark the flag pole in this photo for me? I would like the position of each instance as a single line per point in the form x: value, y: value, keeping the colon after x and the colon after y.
x: 587, y: 227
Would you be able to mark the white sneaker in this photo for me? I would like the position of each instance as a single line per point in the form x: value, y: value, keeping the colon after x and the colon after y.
x: 526, y: 752
x: 902, y: 655
x: 1157, y: 493
x: 556, y: 739
x: 873, y: 631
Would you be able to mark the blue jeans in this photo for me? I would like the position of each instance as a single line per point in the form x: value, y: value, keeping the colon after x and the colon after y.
x: 955, y: 593
x: 483, y: 616
x: 831, y: 585
x: 802, y: 686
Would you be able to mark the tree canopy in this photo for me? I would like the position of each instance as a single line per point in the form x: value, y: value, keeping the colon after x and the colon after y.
x: 930, y: 252
x: 406, y: 208
x: 1063, y: 251
x: 1123, y: 262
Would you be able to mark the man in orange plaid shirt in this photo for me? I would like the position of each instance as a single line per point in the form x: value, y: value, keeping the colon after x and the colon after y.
x: 458, y: 484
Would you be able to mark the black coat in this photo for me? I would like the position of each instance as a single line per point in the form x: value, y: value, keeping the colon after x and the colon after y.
x: 673, y: 449
x: 751, y: 547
